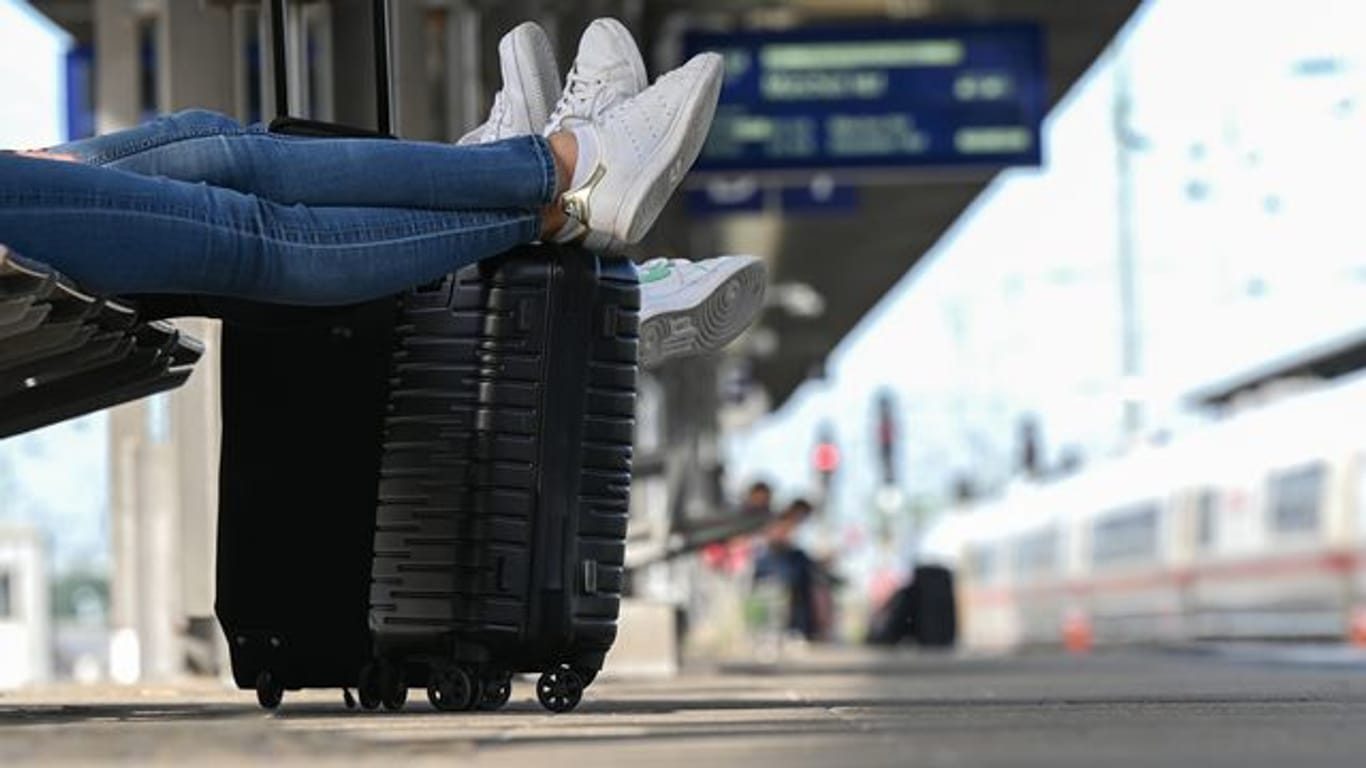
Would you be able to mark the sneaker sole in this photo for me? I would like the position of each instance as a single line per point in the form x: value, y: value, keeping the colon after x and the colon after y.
x: 679, y: 149
x: 533, y: 65
x: 710, y: 324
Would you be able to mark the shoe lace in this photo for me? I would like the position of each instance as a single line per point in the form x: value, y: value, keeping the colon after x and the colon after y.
x: 580, y: 91
x: 497, y: 113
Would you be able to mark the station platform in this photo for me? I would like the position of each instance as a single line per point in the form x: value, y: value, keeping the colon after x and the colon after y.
x: 829, y: 708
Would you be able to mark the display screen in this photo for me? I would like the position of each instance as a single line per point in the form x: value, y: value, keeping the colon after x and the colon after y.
x: 874, y: 97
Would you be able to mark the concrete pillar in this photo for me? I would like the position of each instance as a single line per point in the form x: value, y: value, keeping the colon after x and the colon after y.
x: 116, y: 61
x: 164, y: 450
x: 438, y: 89
x: 125, y: 438
x: 195, y: 42
x: 464, y: 108
x: 197, y: 45
x: 117, y: 106
x: 195, y: 435
x: 146, y: 613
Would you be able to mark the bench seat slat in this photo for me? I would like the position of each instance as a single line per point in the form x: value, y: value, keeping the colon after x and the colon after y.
x: 65, y: 352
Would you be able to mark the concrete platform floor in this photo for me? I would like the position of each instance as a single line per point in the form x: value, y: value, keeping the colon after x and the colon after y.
x: 832, y: 708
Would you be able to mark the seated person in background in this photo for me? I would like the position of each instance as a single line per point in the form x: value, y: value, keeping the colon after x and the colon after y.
x: 783, y: 561
x: 195, y: 204
x: 758, y: 500
x: 733, y: 555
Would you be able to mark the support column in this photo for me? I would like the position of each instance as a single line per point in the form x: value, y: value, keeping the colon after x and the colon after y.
x: 117, y: 62
x: 164, y: 450
x: 195, y: 65
x: 197, y: 71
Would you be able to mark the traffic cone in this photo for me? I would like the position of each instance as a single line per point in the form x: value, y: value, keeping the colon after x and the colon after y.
x: 1077, y: 634
x: 1356, y: 635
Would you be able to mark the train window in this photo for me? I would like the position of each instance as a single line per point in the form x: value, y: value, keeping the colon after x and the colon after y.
x: 1037, y: 552
x: 6, y: 604
x: 1294, y: 497
x: 1129, y: 533
x: 1207, y: 519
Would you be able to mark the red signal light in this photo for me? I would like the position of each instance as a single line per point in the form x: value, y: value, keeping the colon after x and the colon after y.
x: 827, y: 457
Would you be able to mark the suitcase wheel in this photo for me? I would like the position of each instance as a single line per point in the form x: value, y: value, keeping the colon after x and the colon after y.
x: 560, y: 690
x: 393, y: 689
x: 368, y: 688
x: 495, y: 691
x: 587, y: 675
x: 451, y: 689
x: 269, y: 691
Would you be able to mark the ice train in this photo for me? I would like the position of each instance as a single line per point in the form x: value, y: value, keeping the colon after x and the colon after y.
x: 1250, y: 527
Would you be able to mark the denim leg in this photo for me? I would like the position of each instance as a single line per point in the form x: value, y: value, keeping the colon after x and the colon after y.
x: 198, y: 145
x: 116, y: 232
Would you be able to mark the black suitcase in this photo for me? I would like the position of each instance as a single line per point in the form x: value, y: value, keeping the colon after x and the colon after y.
x: 303, y: 409
x: 505, y: 478
x: 304, y: 392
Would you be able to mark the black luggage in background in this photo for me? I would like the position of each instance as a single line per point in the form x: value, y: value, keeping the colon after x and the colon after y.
x: 934, y: 622
x: 924, y: 610
x: 505, y: 478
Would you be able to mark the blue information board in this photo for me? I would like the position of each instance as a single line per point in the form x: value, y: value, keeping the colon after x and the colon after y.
x: 891, y: 96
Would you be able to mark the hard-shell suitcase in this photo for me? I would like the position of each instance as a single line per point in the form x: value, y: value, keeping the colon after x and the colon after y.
x: 302, y: 418
x: 303, y: 400
x: 505, y: 478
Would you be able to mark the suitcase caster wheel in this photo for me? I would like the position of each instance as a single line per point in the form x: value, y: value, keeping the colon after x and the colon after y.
x: 495, y: 692
x: 450, y: 690
x: 586, y: 675
x: 269, y: 692
x: 368, y: 688
x: 393, y: 692
x: 560, y: 690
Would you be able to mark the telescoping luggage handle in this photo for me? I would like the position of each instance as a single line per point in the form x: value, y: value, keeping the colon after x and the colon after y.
x: 283, y: 123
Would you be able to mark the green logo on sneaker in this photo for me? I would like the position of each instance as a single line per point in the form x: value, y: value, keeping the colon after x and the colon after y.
x: 652, y: 271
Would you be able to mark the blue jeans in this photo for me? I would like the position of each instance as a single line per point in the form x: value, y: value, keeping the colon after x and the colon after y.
x: 194, y: 203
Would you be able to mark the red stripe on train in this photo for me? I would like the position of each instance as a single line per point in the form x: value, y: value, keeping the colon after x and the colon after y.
x: 1336, y: 563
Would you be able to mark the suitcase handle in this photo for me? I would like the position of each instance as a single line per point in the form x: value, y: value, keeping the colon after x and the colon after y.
x: 379, y: 11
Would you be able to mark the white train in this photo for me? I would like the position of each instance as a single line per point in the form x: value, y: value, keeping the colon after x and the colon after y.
x: 1251, y: 527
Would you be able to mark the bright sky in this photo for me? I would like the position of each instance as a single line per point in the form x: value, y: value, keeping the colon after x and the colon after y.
x: 1248, y: 145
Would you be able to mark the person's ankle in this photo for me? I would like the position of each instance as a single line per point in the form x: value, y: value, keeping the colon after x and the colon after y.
x: 564, y: 148
x: 553, y: 220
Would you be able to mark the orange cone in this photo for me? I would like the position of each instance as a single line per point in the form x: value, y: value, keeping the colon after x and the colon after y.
x: 1077, y: 634
x: 1357, y: 633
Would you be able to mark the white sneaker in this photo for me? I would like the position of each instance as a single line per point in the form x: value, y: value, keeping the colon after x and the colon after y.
x: 531, y: 79
x: 645, y: 147
x: 607, y: 70
x: 688, y: 308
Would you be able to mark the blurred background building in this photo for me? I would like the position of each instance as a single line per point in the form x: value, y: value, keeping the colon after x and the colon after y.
x: 936, y: 336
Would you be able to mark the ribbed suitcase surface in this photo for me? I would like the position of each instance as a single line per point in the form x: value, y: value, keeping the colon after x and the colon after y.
x: 500, y: 532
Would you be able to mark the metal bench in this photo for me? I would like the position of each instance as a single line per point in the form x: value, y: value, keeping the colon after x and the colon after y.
x: 65, y: 353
